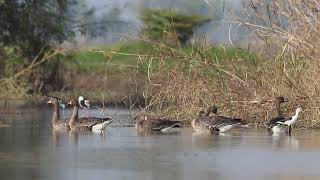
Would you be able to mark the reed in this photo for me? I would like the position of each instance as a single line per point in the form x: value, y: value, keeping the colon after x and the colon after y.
x: 286, y: 65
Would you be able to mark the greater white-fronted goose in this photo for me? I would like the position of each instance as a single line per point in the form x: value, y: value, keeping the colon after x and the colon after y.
x: 210, y: 123
x: 57, y: 123
x: 86, y: 123
x: 147, y: 124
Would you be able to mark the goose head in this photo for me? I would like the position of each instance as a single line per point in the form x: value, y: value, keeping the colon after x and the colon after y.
x: 211, y: 109
x: 280, y: 99
x: 56, y: 100
x: 53, y: 100
x: 73, y: 102
x: 201, y: 113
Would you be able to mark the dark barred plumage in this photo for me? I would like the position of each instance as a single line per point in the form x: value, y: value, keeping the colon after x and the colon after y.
x: 86, y: 123
x: 57, y: 123
x: 156, y: 124
x: 210, y: 123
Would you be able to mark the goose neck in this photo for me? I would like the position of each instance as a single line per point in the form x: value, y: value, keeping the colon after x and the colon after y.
x: 278, y: 106
x: 74, y: 116
x: 56, y: 114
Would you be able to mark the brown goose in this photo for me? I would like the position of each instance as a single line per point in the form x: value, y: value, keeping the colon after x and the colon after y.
x: 56, y: 122
x: 86, y: 123
x: 210, y: 123
x: 156, y: 124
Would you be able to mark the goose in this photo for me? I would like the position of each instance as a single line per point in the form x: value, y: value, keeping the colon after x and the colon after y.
x: 275, y: 123
x: 86, y: 123
x: 272, y: 125
x: 210, y: 123
x: 156, y: 124
x: 56, y: 122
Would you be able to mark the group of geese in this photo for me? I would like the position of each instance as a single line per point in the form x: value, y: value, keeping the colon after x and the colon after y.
x: 207, y: 122
x: 74, y: 122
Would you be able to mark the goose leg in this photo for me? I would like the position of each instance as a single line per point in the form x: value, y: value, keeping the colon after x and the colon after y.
x: 290, y: 128
x: 285, y: 130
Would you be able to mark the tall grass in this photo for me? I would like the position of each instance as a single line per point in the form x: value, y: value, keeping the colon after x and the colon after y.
x: 246, y: 86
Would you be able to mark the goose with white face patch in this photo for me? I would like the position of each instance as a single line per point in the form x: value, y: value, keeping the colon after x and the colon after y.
x: 86, y: 123
x: 210, y: 123
x: 57, y: 123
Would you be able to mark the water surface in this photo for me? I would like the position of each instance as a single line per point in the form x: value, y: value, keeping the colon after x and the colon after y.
x: 31, y: 150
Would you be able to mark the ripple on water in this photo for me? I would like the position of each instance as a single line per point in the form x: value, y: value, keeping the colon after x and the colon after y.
x: 31, y: 150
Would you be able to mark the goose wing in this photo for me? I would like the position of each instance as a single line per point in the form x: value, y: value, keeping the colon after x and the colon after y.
x: 216, y: 122
x: 228, y: 120
x: 225, y: 121
x: 157, y: 124
x: 89, y: 122
x: 164, y: 123
x: 274, y: 121
x: 64, y: 123
x: 209, y: 121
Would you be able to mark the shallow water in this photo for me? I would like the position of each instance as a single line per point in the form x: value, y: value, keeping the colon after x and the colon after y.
x: 31, y: 150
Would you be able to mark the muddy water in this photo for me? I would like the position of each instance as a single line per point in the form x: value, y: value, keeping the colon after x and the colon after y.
x: 31, y: 150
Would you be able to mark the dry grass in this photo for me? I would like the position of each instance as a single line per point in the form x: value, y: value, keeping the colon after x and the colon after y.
x: 290, y: 37
x: 239, y: 87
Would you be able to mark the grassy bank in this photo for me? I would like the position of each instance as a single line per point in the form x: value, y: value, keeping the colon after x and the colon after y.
x: 180, y: 81
x: 123, y: 72
x: 138, y: 55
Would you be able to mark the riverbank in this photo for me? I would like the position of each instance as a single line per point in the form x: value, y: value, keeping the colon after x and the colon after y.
x: 178, y: 82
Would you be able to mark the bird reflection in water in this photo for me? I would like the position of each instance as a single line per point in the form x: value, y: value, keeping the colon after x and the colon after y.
x: 285, y: 142
x: 62, y: 138
x: 151, y: 132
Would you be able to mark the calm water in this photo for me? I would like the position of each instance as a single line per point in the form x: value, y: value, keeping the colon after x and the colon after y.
x: 31, y: 150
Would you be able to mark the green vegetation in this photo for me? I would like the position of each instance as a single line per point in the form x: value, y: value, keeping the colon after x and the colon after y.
x: 29, y: 33
x: 30, y: 25
x: 155, y: 73
x: 137, y: 54
x: 170, y: 26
